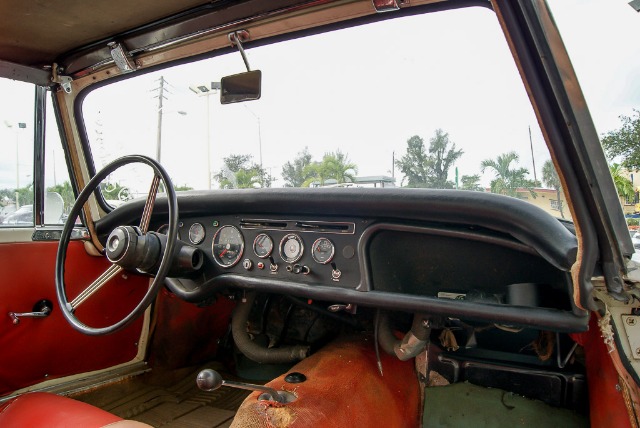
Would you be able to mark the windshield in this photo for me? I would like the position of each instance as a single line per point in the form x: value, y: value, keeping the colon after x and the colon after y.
x: 431, y: 101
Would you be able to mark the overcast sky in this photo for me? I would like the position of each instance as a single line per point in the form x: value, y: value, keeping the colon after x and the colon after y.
x: 418, y: 76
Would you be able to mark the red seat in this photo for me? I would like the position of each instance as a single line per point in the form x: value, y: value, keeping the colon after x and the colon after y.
x: 41, y: 409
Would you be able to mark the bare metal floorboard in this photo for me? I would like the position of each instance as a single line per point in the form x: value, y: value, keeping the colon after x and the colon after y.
x: 168, y: 399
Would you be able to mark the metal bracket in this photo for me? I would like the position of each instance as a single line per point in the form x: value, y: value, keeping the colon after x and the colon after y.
x: 631, y: 324
x: 387, y: 5
x: 121, y: 57
x: 63, y: 81
x: 236, y: 38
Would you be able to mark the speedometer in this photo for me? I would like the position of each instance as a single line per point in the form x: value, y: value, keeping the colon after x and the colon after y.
x: 228, y: 246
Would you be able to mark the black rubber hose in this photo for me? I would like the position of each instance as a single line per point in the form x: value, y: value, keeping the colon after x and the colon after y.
x: 386, y: 338
x: 255, y: 352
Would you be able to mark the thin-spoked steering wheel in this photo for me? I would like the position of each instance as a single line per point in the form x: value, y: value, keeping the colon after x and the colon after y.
x: 120, y: 248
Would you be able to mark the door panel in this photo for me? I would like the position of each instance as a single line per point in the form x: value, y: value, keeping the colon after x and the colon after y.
x: 36, y: 350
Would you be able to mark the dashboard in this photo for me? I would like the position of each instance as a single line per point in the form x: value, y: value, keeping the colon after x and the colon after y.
x: 471, y: 255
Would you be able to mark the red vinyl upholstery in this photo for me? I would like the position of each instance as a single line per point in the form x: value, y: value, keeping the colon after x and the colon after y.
x: 41, y: 409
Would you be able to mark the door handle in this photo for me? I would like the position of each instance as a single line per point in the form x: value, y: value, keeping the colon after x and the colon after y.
x: 41, y: 309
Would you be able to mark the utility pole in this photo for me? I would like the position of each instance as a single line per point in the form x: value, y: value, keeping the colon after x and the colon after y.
x: 161, y: 97
x: 533, y: 159
x: 393, y: 164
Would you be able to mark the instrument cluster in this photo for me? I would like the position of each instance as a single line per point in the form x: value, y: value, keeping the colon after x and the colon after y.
x: 314, y: 251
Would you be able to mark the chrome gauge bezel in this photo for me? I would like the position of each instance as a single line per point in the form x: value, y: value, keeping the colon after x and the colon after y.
x: 313, y: 252
x: 240, y: 251
x: 196, y: 239
x: 165, y: 228
x: 287, y: 238
x: 255, y: 242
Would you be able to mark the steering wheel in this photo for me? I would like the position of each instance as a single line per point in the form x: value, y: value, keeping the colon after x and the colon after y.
x: 121, y: 247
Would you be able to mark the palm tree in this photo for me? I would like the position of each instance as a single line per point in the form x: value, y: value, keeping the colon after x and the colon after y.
x: 339, y: 167
x: 333, y: 166
x: 624, y: 187
x: 508, y: 180
x: 551, y: 179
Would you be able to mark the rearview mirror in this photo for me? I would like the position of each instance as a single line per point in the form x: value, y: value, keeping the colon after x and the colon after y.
x: 241, y: 87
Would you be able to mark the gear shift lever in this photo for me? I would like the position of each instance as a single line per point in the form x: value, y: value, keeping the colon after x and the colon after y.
x: 210, y: 380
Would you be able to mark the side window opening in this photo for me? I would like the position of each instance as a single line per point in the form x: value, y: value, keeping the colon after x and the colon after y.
x: 59, y: 193
x: 16, y: 162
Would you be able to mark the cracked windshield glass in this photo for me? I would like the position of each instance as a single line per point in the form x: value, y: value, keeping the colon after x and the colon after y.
x: 451, y: 114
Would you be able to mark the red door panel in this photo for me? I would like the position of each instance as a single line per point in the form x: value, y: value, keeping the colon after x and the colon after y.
x: 36, y: 350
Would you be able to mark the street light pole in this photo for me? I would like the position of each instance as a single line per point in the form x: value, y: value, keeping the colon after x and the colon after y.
x: 17, y: 169
x: 207, y: 90
x: 259, y: 140
x: 20, y: 125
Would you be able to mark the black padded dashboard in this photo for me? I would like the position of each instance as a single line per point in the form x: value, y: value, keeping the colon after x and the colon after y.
x: 444, y: 252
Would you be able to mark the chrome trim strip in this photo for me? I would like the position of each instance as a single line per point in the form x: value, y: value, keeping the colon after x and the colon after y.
x: 53, y: 233
x: 293, y: 225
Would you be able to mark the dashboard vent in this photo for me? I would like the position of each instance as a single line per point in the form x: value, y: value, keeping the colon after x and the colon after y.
x: 338, y: 227
x: 263, y: 224
x: 321, y: 226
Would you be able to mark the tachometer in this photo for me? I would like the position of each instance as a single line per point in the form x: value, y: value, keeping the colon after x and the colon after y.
x: 322, y: 250
x: 291, y: 248
x: 228, y: 246
x: 263, y: 245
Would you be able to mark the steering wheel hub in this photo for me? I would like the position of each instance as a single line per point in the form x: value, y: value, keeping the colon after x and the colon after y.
x: 119, y: 242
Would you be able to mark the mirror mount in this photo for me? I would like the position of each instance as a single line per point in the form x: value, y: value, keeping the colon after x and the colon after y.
x: 245, y: 86
x: 236, y: 38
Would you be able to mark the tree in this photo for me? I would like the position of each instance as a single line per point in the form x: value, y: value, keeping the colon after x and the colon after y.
x: 429, y: 169
x: 624, y: 187
x: 508, y: 180
x: 551, y: 179
x: 115, y: 192
x: 625, y: 141
x: 293, y: 173
x: 334, y: 165
x: 471, y: 182
x: 339, y: 167
x: 25, y: 194
x: 238, y: 172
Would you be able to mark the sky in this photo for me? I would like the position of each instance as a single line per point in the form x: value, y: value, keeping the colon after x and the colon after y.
x: 360, y: 91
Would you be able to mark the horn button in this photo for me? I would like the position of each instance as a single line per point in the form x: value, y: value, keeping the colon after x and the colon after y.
x: 121, y: 246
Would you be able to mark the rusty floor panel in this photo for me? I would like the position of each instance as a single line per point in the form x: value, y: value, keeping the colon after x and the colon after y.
x: 169, y: 399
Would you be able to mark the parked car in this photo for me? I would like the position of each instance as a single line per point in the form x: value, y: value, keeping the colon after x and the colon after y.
x: 233, y: 294
x: 5, y: 211
x: 21, y: 216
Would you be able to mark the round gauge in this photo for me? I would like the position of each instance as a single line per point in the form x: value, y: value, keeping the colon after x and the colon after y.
x: 164, y: 229
x: 196, y: 233
x: 291, y: 248
x: 263, y: 245
x: 227, y: 246
x: 322, y: 251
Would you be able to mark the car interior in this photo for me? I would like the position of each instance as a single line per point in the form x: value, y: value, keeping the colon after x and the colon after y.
x: 138, y: 298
